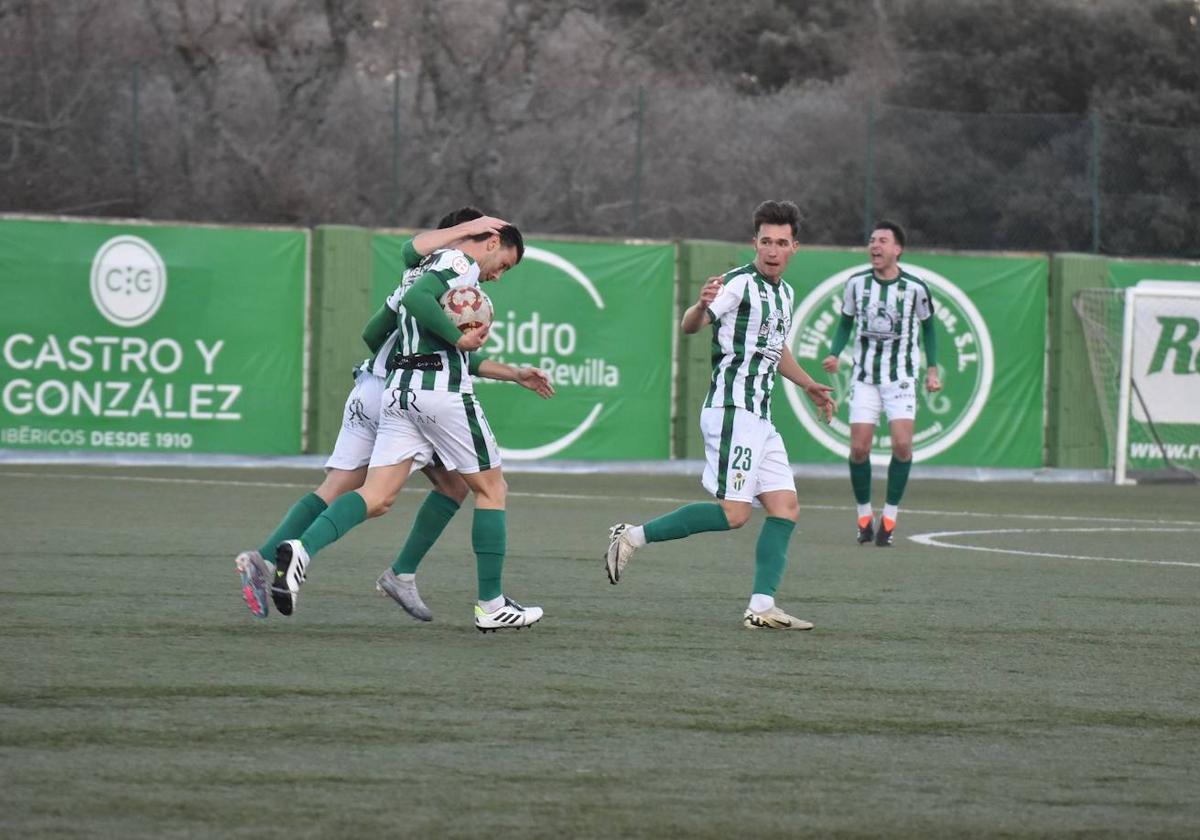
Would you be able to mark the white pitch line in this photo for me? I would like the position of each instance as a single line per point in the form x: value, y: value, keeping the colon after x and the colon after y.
x: 931, y: 539
x: 229, y: 482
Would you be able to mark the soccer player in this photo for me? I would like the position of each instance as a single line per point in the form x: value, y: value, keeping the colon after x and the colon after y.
x: 428, y: 408
x: 750, y: 309
x: 346, y: 468
x: 887, y: 303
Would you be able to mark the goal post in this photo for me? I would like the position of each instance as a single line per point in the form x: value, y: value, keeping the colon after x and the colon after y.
x: 1143, y: 346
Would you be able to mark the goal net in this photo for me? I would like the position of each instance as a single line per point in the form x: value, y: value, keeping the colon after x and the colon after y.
x: 1143, y: 346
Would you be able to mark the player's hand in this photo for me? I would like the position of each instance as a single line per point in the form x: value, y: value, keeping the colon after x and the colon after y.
x: 830, y: 363
x: 472, y: 339
x: 535, y: 380
x: 484, y: 224
x: 821, y: 397
x: 933, y: 382
x: 711, y: 289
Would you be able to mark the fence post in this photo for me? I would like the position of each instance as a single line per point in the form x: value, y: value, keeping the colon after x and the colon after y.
x: 1094, y: 178
x: 869, y: 174
x: 637, y: 162
x: 396, y: 147
x: 135, y: 151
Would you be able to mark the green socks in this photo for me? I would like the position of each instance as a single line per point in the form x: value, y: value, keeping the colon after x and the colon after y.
x: 432, y: 518
x: 346, y: 512
x: 897, y: 480
x: 298, y: 517
x: 770, y: 556
x: 690, y: 519
x: 489, y: 538
x: 860, y: 480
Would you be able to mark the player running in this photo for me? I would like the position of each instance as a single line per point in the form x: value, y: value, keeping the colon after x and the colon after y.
x: 750, y: 309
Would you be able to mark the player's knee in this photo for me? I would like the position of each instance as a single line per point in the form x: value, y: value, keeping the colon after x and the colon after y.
x: 902, y: 451
x: 452, y: 486
x: 377, y: 503
x: 860, y: 452
x: 737, y: 516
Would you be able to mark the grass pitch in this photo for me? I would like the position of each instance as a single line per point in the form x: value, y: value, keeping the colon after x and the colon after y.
x: 979, y: 690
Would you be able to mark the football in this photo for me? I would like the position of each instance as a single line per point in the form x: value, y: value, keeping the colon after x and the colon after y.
x: 468, y: 307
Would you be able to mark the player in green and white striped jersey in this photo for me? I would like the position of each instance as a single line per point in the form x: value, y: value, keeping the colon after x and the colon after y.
x: 750, y: 309
x: 888, y: 305
x: 346, y: 467
x: 427, y: 410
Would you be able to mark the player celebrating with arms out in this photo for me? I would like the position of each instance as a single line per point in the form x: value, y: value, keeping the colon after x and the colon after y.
x: 887, y: 303
x: 750, y: 309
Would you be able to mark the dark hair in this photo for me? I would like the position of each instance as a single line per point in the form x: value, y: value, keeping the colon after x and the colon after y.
x: 457, y: 217
x: 510, y: 237
x: 897, y: 231
x: 778, y: 213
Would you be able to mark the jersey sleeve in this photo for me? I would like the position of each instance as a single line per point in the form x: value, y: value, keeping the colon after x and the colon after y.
x: 409, y: 254
x: 729, y: 297
x: 924, y: 303
x: 849, y: 304
x: 422, y: 302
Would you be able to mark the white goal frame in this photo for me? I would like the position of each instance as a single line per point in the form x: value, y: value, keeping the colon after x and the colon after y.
x: 1147, y: 288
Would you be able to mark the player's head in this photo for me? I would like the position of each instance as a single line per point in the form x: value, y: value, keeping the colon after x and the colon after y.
x: 885, y: 245
x: 776, y: 236
x: 457, y: 217
x: 495, y: 252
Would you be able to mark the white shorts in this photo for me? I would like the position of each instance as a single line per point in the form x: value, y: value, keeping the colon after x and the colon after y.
x: 360, y: 422
x: 422, y: 424
x: 898, y: 399
x: 743, y: 455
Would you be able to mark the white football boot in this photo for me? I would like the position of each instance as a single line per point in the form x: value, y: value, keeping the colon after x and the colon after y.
x: 291, y: 568
x: 620, y: 549
x: 774, y: 619
x: 511, y: 615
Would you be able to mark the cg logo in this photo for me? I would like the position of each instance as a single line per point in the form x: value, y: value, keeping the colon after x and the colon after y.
x: 967, y: 362
x: 129, y: 280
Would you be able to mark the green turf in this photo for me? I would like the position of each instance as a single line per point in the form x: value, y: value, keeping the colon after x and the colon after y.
x: 944, y: 692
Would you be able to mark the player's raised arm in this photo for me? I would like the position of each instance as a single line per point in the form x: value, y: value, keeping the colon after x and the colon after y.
x: 697, y: 316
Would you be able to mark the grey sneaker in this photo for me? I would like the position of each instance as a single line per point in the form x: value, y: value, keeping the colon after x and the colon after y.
x: 404, y: 593
x: 256, y: 581
x: 620, y: 549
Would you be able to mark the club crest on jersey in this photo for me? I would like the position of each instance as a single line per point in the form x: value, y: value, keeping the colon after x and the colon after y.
x: 739, y: 480
x: 460, y: 265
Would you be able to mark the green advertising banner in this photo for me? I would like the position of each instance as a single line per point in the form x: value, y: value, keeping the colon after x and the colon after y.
x: 147, y: 338
x: 1164, y: 359
x: 598, y: 318
x: 991, y: 323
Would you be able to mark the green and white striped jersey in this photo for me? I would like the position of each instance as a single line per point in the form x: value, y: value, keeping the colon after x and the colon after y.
x: 453, y: 270
x: 416, y: 265
x: 751, y: 319
x: 888, y: 317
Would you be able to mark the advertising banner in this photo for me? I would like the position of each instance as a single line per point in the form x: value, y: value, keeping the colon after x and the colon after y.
x: 1164, y: 362
x: 147, y: 338
x: 991, y: 325
x: 598, y: 318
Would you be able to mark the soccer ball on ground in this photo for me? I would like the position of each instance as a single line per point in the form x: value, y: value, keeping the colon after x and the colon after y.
x: 468, y: 308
